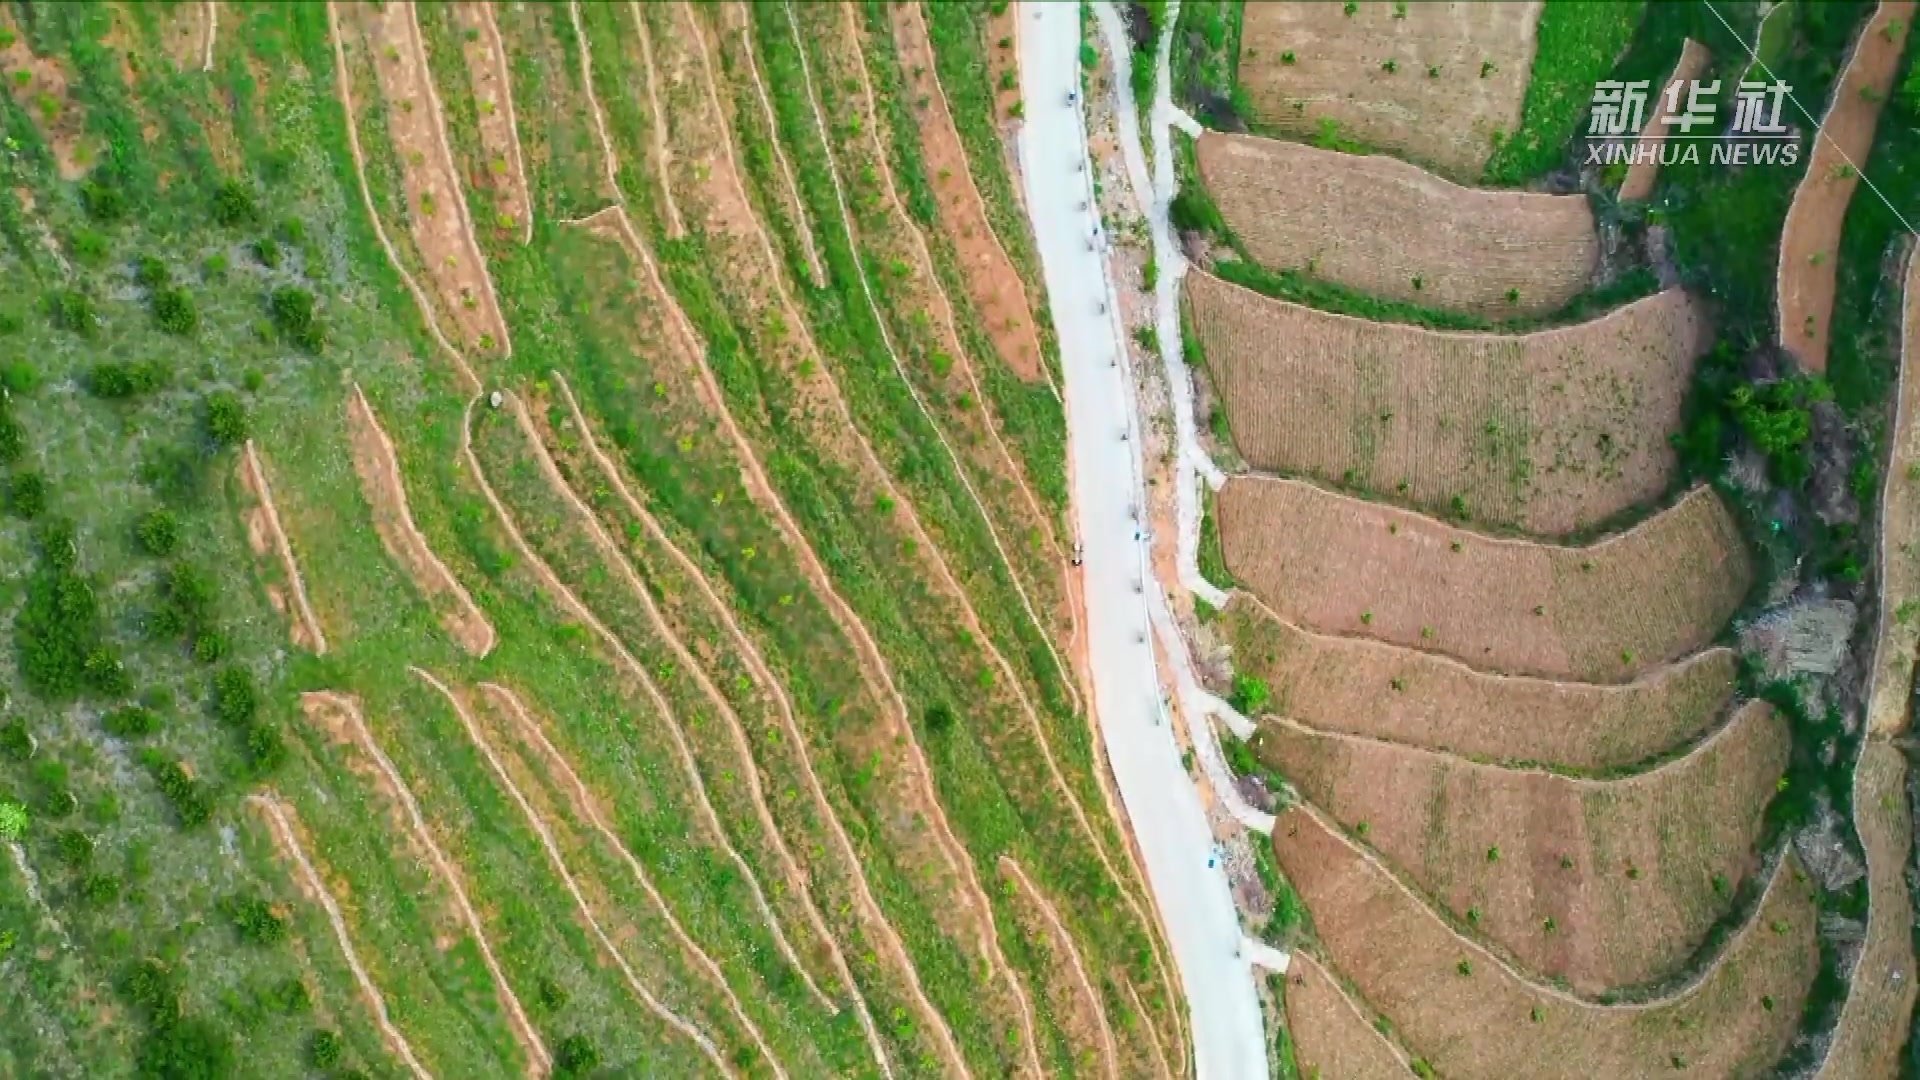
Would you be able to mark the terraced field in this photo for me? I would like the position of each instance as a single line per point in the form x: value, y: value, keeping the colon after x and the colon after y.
x: 536, y: 546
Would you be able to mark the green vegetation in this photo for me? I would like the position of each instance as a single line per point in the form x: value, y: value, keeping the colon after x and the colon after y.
x: 1577, y: 44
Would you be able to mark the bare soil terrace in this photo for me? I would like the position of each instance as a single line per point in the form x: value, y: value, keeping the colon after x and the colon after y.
x: 1391, y: 229
x: 1331, y: 1036
x: 1348, y: 685
x: 1608, y: 612
x: 1304, y: 65
x: 1466, y: 1013
x: 1548, y: 432
x: 1873, y: 1023
x: 1810, y: 239
x: 1603, y: 884
x: 1645, y: 170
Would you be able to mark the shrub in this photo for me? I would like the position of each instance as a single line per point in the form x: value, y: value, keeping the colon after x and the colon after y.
x: 1778, y: 417
x: 73, y: 310
x: 186, y: 1049
x: 57, y: 630
x: 293, y: 313
x: 939, y: 718
x: 100, y: 889
x: 13, y: 820
x: 186, y: 604
x: 114, y: 381
x: 226, y: 419
x: 157, y: 532
x: 130, y: 722
x: 324, y: 1049
x: 265, y: 750
x: 190, y: 803
x: 19, y: 377
x: 105, y: 674
x: 1249, y: 695
x: 104, y: 202
x: 255, y: 920
x: 210, y: 647
x: 74, y: 848
x: 235, y: 698
x: 16, y: 742
x: 151, y: 273
x: 233, y: 204
x: 290, y: 997
x: 173, y: 309
x: 26, y: 495
x: 575, y: 1055
x: 13, y: 441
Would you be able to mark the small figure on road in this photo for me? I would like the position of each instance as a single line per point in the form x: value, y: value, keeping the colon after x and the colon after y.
x: 1079, y: 553
x: 1073, y: 96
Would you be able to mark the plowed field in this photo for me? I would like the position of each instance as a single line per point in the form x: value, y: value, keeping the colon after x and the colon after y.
x: 1608, y: 612
x: 1391, y: 229
x: 1348, y: 685
x: 1603, y: 884
x: 1308, y: 66
x: 1548, y: 432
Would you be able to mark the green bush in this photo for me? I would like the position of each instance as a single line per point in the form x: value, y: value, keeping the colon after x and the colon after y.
x: 189, y: 799
x: 151, y: 273
x: 324, y: 1049
x: 226, y: 419
x: 130, y: 722
x: 71, y: 309
x: 13, y: 440
x: 1249, y: 695
x: 187, y: 1049
x: 573, y: 1056
x: 100, y: 890
x: 16, y: 742
x: 73, y: 848
x: 255, y: 920
x: 57, y: 629
x: 104, y: 202
x: 292, y: 310
x: 173, y: 309
x: 233, y: 204
x: 19, y: 377
x: 26, y: 495
x: 115, y: 381
x: 235, y: 698
x: 157, y: 532
x: 105, y: 674
x: 186, y: 604
x: 1778, y: 417
x: 14, y: 820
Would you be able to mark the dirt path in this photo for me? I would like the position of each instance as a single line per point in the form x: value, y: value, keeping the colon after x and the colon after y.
x: 1162, y: 1066
x: 616, y: 558
x: 1109, y: 1056
x: 343, y: 80
x: 790, y: 197
x: 574, y: 606
x: 994, y: 285
x: 756, y: 663
x: 279, y: 823
x: 945, y: 309
x: 212, y: 32
x: 1810, y: 238
x: 378, y: 466
x: 587, y: 807
x: 486, y: 61
x: 539, y: 827
x: 264, y: 531
x: 539, y: 1061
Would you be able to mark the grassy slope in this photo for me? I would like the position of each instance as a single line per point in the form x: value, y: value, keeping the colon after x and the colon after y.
x: 1577, y: 44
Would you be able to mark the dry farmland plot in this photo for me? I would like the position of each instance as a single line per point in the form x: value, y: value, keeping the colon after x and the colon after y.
x: 1381, y: 691
x: 1550, y: 432
x: 1645, y: 169
x: 266, y: 535
x: 1897, y: 635
x: 1466, y: 1013
x: 1306, y: 66
x: 1810, y: 239
x: 1390, y: 229
x: 1607, y: 612
x: 1331, y: 1036
x: 1601, y: 883
x: 495, y: 171
x: 1873, y: 1022
x: 40, y: 85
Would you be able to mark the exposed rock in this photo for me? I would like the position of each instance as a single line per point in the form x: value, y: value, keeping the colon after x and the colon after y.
x: 1254, y: 790
x: 1823, y: 850
x: 1806, y: 638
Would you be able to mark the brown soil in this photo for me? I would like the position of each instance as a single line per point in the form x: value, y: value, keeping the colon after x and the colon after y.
x: 1348, y: 685
x: 1335, y: 74
x: 993, y: 284
x: 264, y: 533
x: 586, y: 806
x: 657, y: 123
x: 1638, y: 185
x: 1873, y: 1023
x: 44, y: 95
x: 1810, y: 239
x: 1076, y: 1004
x: 541, y: 829
x: 280, y: 822
x: 436, y: 207
x: 1602, y: 884
x: 380, y: 481
x: 186, y: 32
x: 342, y: 715
x: 1897, y: 634
x: 1550, y: 432
x: 505, y: 173
x: 1332, y: 1038
x: 1465, y: 1012
x: 343, y: 81
x: 1380, y: 225
x: 1608, y: 612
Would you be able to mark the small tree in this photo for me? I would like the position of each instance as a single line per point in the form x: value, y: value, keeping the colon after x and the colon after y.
x: 1249, y: 695
x: 13, y: 820
x: 226, y: 419
x: 157, y: 532
x: 575, y: 1056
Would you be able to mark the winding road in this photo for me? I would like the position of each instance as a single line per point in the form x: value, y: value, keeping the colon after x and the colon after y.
x: 1160, y: 799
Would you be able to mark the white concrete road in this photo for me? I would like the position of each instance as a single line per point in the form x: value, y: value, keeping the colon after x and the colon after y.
x: 1164, y: 809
